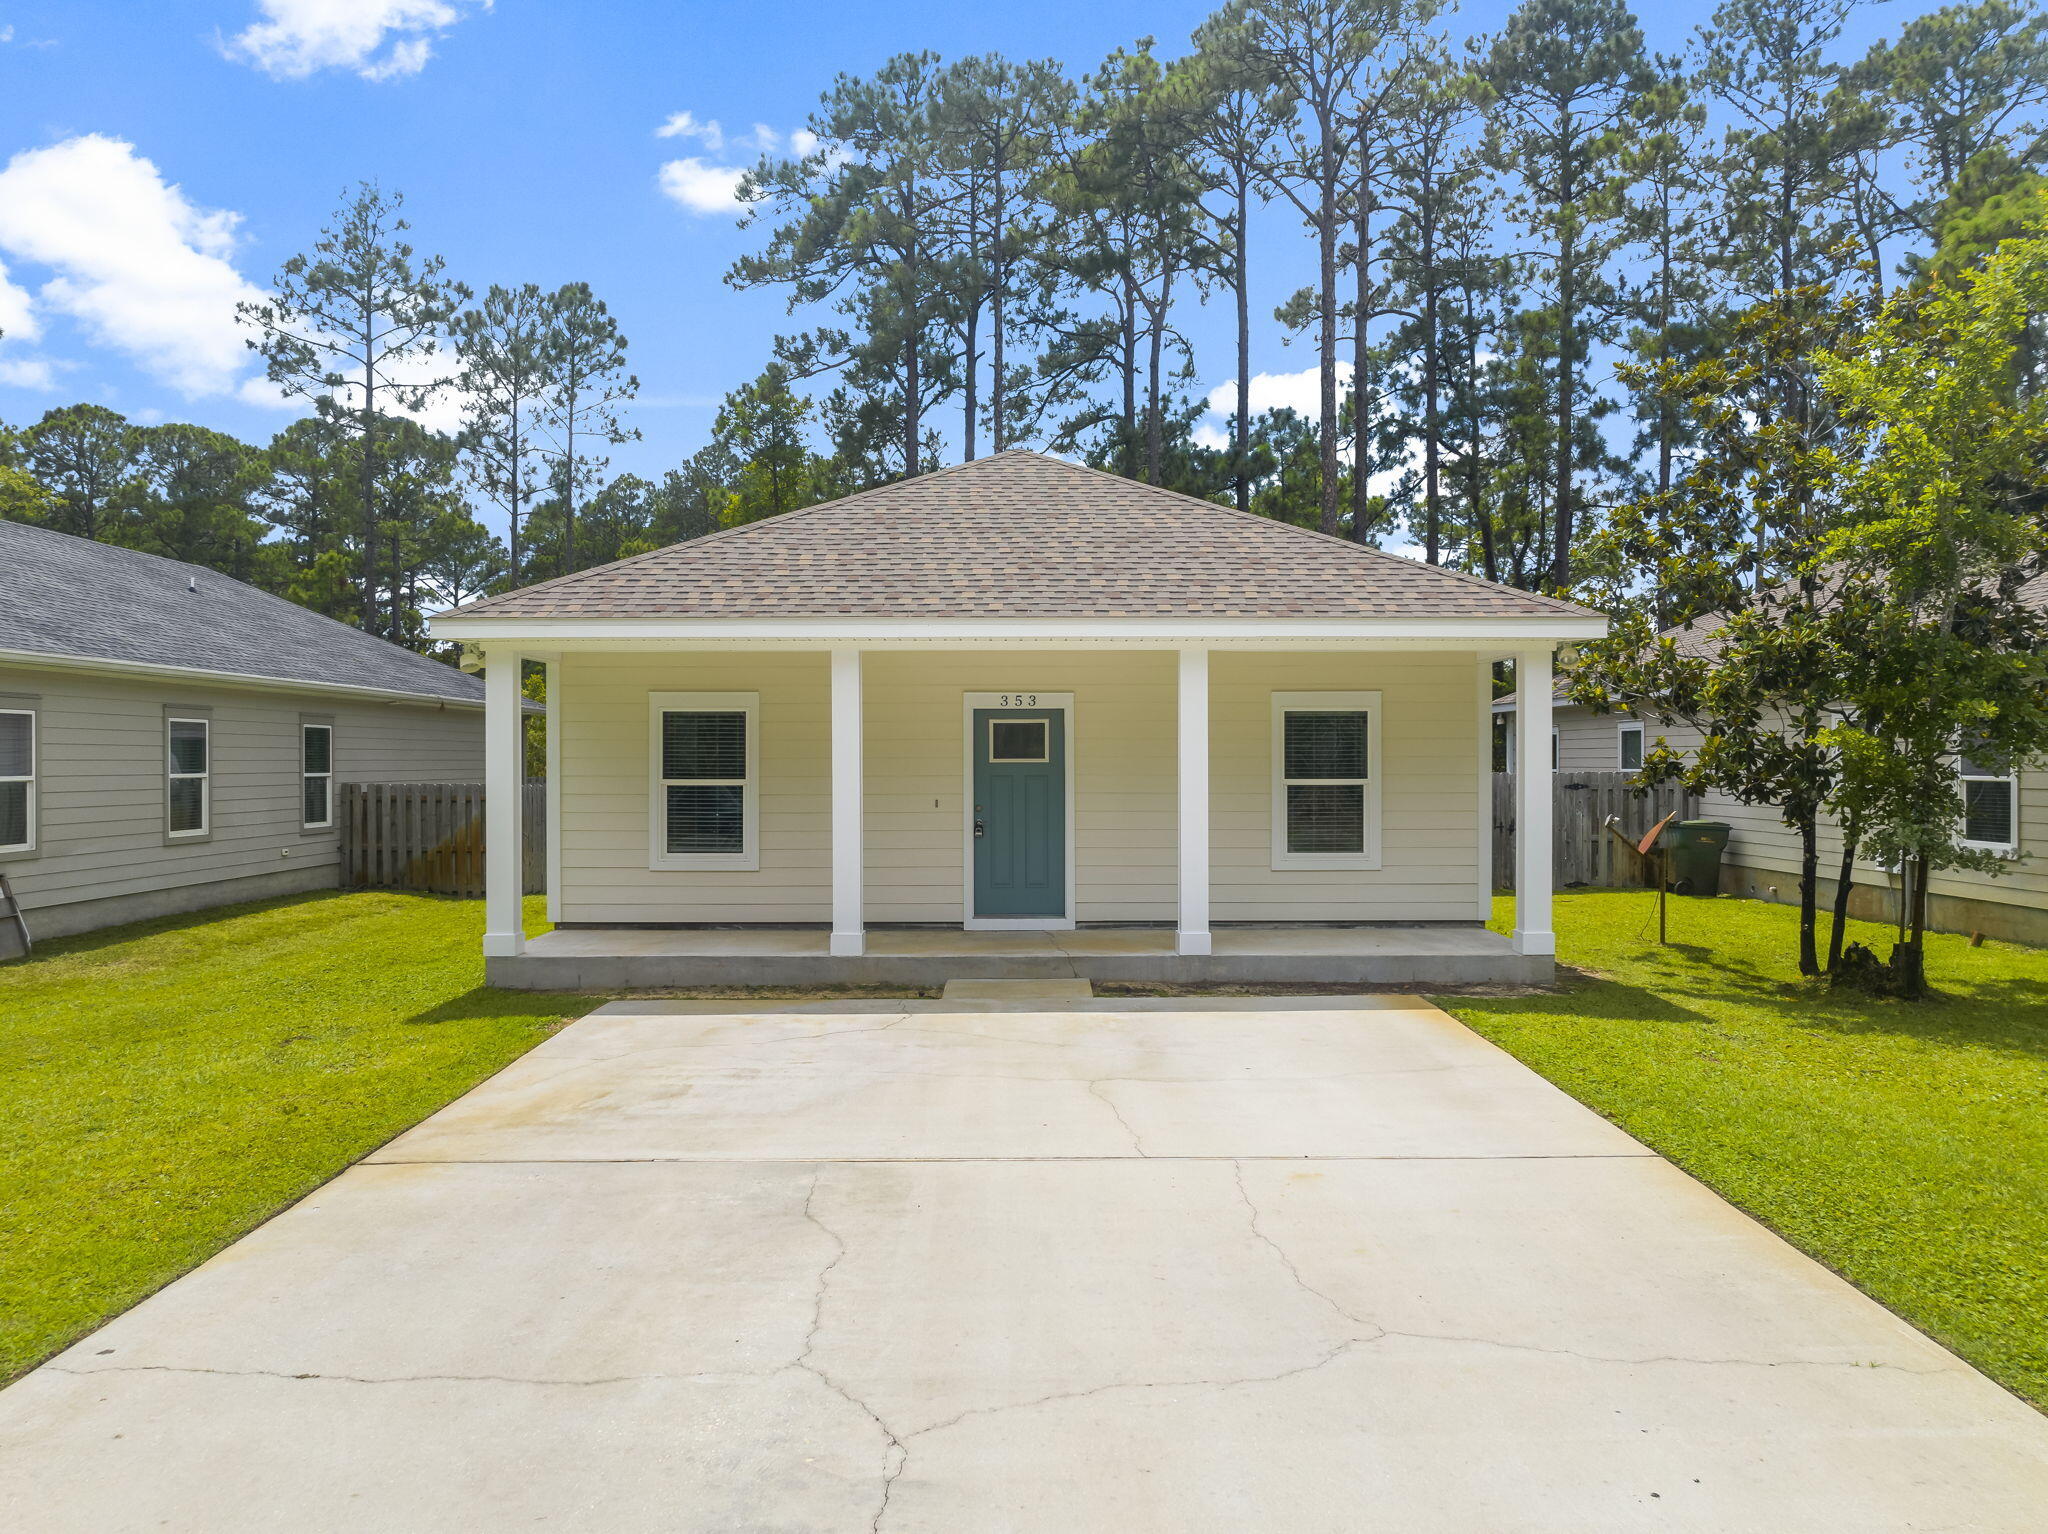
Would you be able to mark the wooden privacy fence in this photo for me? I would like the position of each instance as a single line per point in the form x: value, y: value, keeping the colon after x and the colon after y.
x: 1583, y: 849
x: 430, y: 836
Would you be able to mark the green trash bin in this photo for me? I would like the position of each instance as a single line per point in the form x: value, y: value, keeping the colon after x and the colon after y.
x: 1696, y: 849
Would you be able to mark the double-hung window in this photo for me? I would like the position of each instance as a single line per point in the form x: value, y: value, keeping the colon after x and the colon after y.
x: 705, y: 772
x: 188, y: 788
x: 1631, y: 751
x: 316, y: 776
x: 17, y: 780
x: 1326, y: 780
x: 1991, y: 806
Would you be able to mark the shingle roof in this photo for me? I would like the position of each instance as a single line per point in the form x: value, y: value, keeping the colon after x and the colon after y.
x: 1019, y: 535
x: 66, y: 596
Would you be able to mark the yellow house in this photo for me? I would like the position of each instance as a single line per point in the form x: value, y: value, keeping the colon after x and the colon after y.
x: 1015, y: 718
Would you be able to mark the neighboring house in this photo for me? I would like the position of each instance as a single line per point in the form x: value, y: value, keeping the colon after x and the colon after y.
x: 172, y: 739
x: 1013, y: 698
x: 2006, y: 813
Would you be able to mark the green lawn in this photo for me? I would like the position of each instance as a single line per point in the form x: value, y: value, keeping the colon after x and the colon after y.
x: 1904, y: 1145
x: 167, y: 1086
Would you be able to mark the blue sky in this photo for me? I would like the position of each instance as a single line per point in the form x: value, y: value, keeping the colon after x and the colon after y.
x: 162, y: 158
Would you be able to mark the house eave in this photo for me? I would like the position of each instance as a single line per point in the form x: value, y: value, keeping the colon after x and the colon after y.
x: 104, y: 666
x: 1402, y: 632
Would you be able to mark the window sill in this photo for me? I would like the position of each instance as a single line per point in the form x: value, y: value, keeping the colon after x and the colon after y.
x: 706, y: 862
x: 1336, y: 862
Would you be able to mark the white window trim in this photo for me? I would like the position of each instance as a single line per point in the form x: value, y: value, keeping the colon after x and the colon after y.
x: 1622, y: 731
x: 659, y: 858
x: 1367, y: 703
x: 328, y: 775
x: 2009, y: 849
x: 33, y: 763
x: 172, y: 775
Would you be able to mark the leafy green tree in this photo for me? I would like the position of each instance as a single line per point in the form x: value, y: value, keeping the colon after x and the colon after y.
x: 1435, y: 184
x: 864, y: 233
x: 1755, y: 655
x: 996, y: 121
x: 762, y: 428
x: 196, y: 500
x: 84, y: 458
x: 353, y: 326
x: 1671, y: 301
x: 1136, y: 178
x: 1565, y: 76
x: 1943, y: 522
x: 460, y: 559
x: 1320, y: 55
x: 585, y: 356
x: 505, y: 346
x: 1960, y: 82
x: 1229, y: 117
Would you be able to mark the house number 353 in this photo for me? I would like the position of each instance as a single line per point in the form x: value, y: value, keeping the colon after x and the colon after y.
x: 1018, y: 699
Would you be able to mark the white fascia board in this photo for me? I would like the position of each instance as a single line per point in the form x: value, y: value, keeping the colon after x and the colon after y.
x: 201, y: 675
x: 1439, y: 633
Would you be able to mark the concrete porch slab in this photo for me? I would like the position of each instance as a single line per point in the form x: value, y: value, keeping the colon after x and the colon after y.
x: 624, y: 958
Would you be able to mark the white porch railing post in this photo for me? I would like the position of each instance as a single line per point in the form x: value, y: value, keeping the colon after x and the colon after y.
x: 1533, y: 791
x: 1193, y: 934
x: 849, y: 928
x: 504, y: 804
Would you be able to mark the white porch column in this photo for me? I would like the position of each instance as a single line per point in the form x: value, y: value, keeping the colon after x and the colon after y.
x: 1532, y: 803
x: 504, y: 796
x: 553, y: 725
x: 849, y: 932
x: 1193, y: 934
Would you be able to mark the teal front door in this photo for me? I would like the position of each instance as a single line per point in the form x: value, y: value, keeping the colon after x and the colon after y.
x: 1020, y: 814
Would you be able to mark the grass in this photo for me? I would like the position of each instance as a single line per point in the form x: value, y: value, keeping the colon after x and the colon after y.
x: 166, y: 1087
x: 1905, y: 1145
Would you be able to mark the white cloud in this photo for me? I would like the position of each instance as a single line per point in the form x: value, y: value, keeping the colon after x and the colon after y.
x: 18, y: 320
x: 702, y: 187
x: 1300, y: 392
x: 377, y: 39
x: 131, y: 259
x: 686, y: 125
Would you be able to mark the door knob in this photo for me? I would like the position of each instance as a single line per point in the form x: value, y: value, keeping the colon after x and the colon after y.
x: 978, y: 831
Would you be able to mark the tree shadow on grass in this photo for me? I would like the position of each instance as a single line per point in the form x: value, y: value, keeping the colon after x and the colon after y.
x: 483, y: 1003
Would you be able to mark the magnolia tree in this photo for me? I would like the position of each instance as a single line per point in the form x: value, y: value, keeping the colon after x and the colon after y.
x: 1941, y: 526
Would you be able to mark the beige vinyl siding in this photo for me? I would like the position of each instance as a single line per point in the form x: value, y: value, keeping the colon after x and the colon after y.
x: 1430, y: 724
x: 1126, y: 856
x: 607, y: 806
x: 1125, y: 796
x: 100, y: 780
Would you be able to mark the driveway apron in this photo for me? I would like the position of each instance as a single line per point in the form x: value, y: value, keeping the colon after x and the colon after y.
x: 1109, y: 1267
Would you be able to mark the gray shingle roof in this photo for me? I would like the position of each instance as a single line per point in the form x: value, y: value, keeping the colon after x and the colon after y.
x: 65, y: 596
x: 1019, y: 535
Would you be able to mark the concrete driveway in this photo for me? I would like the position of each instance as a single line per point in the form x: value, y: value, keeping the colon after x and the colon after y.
x: 1304, y: 1266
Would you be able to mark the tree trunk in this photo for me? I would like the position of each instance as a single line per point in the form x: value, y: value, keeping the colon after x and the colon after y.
x: 1000, y: 276
x: 368, y: 487
x: 972, y: 361
x: 1809, y: 890
x: 1363, y: 406
x: 1845, y: 880
x: 1155, y: 426
x: 569, y: 494
x: 1326, y: 340
x: 1241, y: 427
x: 1432, y: 415
x: 1567, y: 300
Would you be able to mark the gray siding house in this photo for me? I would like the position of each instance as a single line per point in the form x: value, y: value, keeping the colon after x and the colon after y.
x: 2006, y: 815
x: 172, y: 739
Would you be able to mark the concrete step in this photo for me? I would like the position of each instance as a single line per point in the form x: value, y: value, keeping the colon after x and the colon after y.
x: 1018, y: 990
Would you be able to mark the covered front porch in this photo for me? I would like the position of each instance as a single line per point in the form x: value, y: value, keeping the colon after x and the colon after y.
x: 870, y: 838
